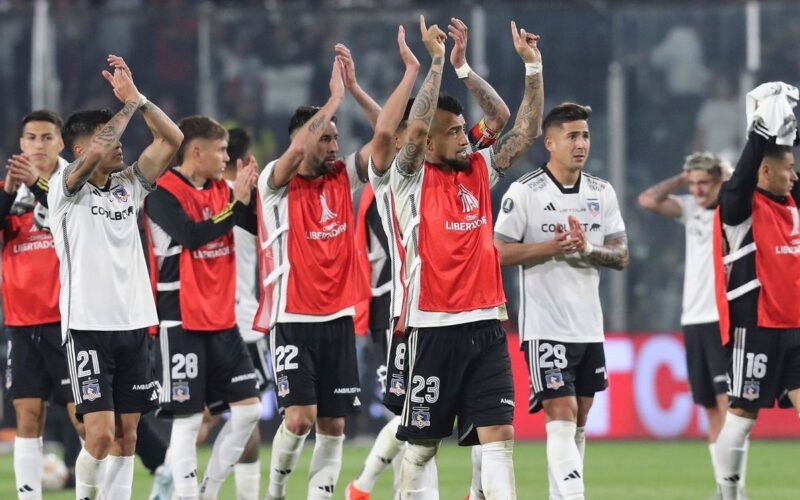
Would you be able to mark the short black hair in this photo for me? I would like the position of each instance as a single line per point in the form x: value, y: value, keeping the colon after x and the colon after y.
x: 238, y: 144
x: 84, y: 123
x: 42, y: 115
x: 775, y: 151
x: 564, y: 113
x: 302, y: 115
x: 450, y: 104
x: 198, y: 127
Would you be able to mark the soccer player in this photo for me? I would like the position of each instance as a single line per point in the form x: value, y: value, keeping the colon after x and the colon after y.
x: 307, y: 220
x: 706, y: 359
x: 757, y: 266
x: 106, y: 302
x: 389, y: 135
x: 37, y: 365
x: 458, y: 363
x: 561, y: 225
x: 204, y: 360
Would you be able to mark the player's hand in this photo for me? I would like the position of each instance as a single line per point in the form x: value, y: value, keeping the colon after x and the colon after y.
x: 408, y: 57
x: 348, y: 64
x: 246, y: 179
x: 337, y: 79
x: 432, y: 37
x: 11, y: 185
x: 123, y: 85
x: 563, y: 243
x: 459, y: 32
x: 576, y: 234
x: 117, y: 62
x: 21, y: 170
x: 525, y: 44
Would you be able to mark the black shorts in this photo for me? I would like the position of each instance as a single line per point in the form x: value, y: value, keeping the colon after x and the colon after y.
x: 200, y: 369
x: 707, y: 362
x: 37, y: 364
x: 316, y: 364
x: 259, y: 354
x: 395, y: 394
x: 461, y: 371
x: 560, y: 369
x: 110, y: 371
x: 764, y: 366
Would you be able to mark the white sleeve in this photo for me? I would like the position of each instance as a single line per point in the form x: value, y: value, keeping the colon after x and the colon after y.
x: 682, y: 202
x: 137, y: 182
x: 57, y: 197
x: 403, y: 187
x: 612, y: 218
x: 352, y: 172
x: 378, y: 180
x: 265, y: 192
x: 491, y: 168
x: 512, y: 220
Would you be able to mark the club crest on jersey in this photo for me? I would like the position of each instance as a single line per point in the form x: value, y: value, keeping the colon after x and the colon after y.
x: 120, y: 193
x: 283, y: 387
x: 468, y: 200
x: 593, y: 206
x: 180, y: 392
x: 751, y: 390
x: 397, y: 385
x: 554, y: 379
x: 420, y: 418
x: 90, y: 390
x: 327, y: 213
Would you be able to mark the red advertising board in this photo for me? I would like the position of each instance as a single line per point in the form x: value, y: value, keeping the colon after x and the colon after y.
x: 648, y: 395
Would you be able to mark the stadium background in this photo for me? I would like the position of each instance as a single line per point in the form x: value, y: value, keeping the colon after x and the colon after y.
x: 663, y: 79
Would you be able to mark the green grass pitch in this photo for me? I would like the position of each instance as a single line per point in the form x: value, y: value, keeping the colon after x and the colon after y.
x: 614, y: 470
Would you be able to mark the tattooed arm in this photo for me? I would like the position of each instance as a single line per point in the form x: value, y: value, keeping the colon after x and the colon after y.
x: 167, y: 138
x: 496, y: 113
x: 613, y: 253
x: 412, y: 152
x: 528, y: 125
x: 657, y: 198
x: 107, y: 139
x: 290, y: 160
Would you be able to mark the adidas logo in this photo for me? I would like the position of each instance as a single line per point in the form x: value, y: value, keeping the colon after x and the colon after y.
x: 573, y: 475
x: 191, y: 474
x: 24, y: 488
x: 731, y: 479
x: 328, y: 488
x: 550, y: 207
x: 283, y: 472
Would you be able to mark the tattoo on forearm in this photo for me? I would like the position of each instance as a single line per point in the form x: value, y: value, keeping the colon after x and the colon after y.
x: 527, y: 126
x: 614, y: 254
x: 487, y: 97
x: 110, y: 134
x: 423, y: 109
x: 664, y: 188
x: 316, y: 124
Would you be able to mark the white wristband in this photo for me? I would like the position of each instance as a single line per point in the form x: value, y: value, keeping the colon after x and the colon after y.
x: 587, y: 248
x: 533, y: 68
x: 141, y: 101
x: 463, y: 71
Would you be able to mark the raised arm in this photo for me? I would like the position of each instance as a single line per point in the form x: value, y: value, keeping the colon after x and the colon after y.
x: 412, y: 152
x: 495, y: 111
x: 657, y: 198
x: 310, y: 132
x: 167, y: 137
x: 382, y: 146
x: 103, y: 142
x: 528, y: 124
x: 367, y: 103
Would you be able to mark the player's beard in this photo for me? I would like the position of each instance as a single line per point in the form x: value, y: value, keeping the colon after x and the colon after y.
x: 456, y: 164
x: 323, y: 168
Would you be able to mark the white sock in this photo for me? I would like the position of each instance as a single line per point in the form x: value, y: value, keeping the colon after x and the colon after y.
x: 118, y: 481
x: 397, y: 464
x: 326, y: 462
x: 286, y: 448
x: 564, y: 459
x: 383, y: 451
x: 580, y: 441
x: 412, y: 475
x: 88, y: 475
x: 183, y: 455
x: 730, y: 448
x: 431, y: 480
x: 28, y: 467
x: 712, y: 450
x: 497, y: 470
x: 248, y: 480
x: 223, y: 457
x: 475, y: 488
x: 743, y: 467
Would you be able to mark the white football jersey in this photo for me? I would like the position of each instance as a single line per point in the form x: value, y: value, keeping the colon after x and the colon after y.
x: 381, y: 186
x: 559, y: 298
x: 104, y: 280
x: 246, y: 243
x: 699, y: 297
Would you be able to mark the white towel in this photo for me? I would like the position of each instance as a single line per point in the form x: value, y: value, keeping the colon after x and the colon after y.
x: 769, y: 109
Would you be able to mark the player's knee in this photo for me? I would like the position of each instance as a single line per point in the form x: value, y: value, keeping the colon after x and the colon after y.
x: 331, y: 426
x: 127, y: 443
x: 99, y: 441
x: 298, y: 424
x: 418, y: 453
x: 30, y: 419
x: 561, y: 409
x: 751, y: 413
